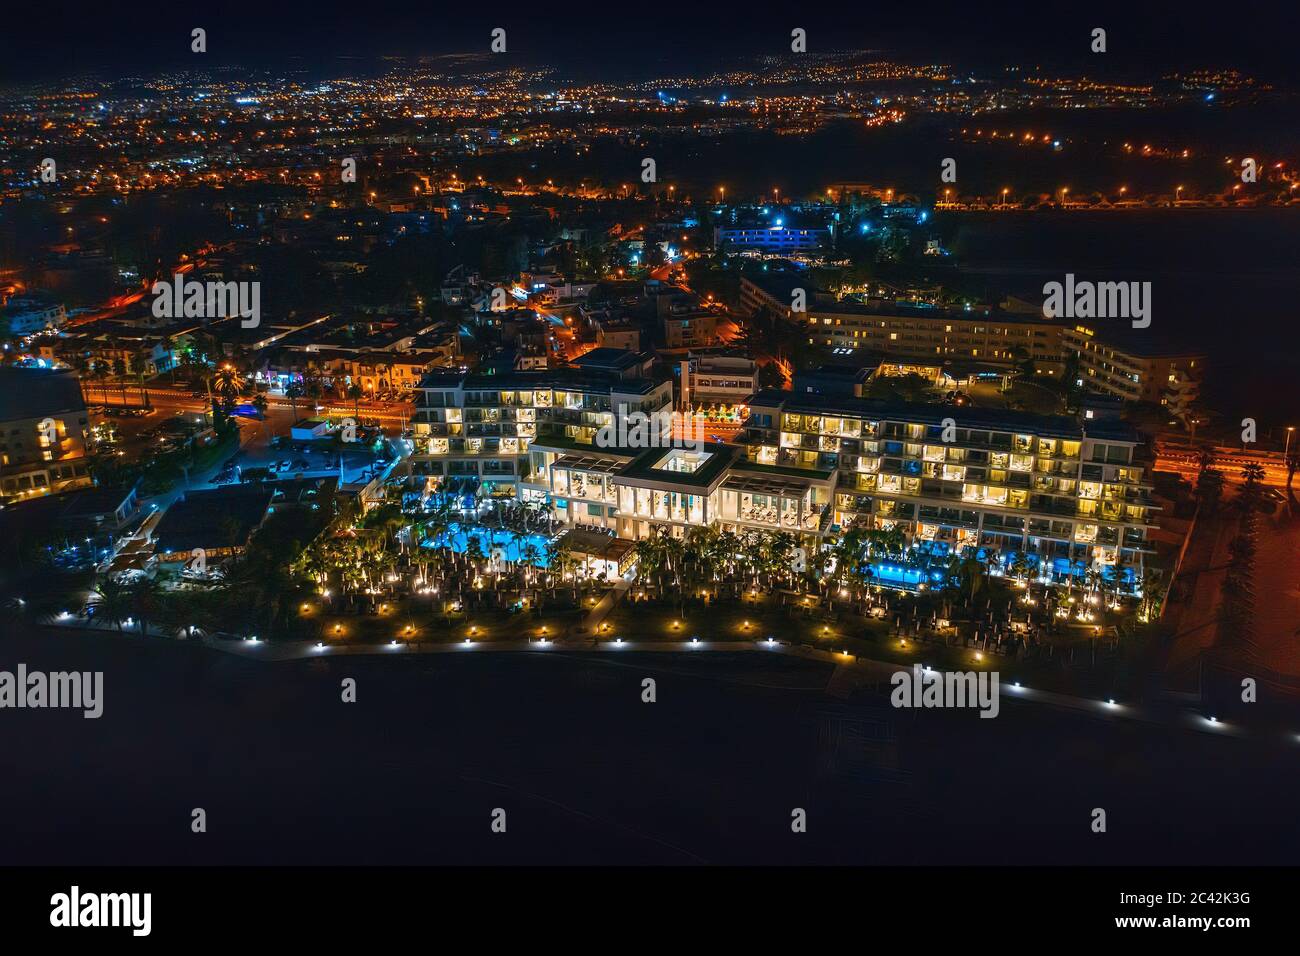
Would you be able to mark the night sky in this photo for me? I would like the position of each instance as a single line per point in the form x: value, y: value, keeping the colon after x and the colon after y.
x: 589, y: 40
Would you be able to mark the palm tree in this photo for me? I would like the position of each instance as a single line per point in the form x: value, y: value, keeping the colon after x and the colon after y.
x: 112, y: 602
x: 81, y: 364
x: 531, y: 555
x: 168, y: 345
x: 1251, y: 497
x: 1292, y: 466
x: 1209, y: 489
x: 99, y: 373
x: 120, y: 370
x: 970, y: 575
x: 354, y: 392
x: 294, y: 391
x: 144, y: 392
x: 146, y: 597
x: 1021, y: 566
x: 227, y: 381
x: 649, y: 558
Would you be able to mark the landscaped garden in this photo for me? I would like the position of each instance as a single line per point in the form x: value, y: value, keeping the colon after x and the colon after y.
x: 430, y: 568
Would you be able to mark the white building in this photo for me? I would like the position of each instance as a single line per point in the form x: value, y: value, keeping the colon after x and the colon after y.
x: 27, y: 314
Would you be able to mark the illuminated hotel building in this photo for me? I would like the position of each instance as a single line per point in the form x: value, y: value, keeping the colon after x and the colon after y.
x: 1137, y: 367
x: 1074, y: 497
x: 44, y: 432
x: 1004, y: 481
x: 916, y: 332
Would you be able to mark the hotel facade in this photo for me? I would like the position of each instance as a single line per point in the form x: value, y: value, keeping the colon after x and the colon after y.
x: 1068, y: 494
x: 1003, y: 481
x: 44, y: 433
x: 1113, y: 360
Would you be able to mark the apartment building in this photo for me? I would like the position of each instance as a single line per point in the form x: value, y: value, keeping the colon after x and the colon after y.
x: 1137, y: 366
x: 618, y: 333
x: 690, y: 329
x: 1005, y: 481
x: 44, y: 433
x: 773, y: 239
x: 374, y: 372
x: 916, y: 332
x: 23, y: 315
x: 717, y: 379
x: 1133, y: 365
x: 685, y: 322
x: 502, y: 432
x: 935, y: 334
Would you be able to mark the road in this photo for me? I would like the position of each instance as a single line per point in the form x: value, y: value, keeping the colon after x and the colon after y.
x: 1186, y: 463
x: 180, y: 399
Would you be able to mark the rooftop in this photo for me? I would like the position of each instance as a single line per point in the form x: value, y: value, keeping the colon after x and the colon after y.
x: 570, y: 378
x: 667, y: 465
x: 36, y: 392
x: 608, y: 359
x: 992, y: 419
x: 219, y: 518
x: 585, y: 542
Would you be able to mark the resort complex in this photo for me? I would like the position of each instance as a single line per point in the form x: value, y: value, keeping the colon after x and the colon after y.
x: 1070, y: 498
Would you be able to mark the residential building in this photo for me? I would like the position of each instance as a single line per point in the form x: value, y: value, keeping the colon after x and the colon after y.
x: 776, y: 239
x: 501, y: 432
x: 44, y: 433
x: 1001, y: 480
x: 717, y: 379
x: 690, y: 328
x: 618, y: 333
x: 1137, y: 366
x: 26, y: 314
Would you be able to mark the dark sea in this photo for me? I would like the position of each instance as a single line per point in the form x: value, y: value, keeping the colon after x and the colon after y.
x: 588, y: 773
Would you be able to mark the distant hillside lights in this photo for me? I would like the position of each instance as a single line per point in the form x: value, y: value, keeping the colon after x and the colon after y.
x: 1098, y: 300
x: 192, y: 299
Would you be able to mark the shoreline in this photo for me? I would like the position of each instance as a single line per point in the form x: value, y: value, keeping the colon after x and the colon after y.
x: 855, y: 672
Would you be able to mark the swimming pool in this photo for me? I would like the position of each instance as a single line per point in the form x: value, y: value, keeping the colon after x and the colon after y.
x: 900, y: 576
x: 511, y: 547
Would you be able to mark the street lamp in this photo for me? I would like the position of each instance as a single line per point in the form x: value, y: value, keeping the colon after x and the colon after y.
x: 1287, y: 449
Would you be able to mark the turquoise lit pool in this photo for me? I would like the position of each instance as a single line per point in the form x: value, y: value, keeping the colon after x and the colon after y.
x: 512, y: 547
x: 894, y: 575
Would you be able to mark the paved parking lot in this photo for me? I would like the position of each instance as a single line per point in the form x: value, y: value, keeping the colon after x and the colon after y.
x: 310, y: 459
